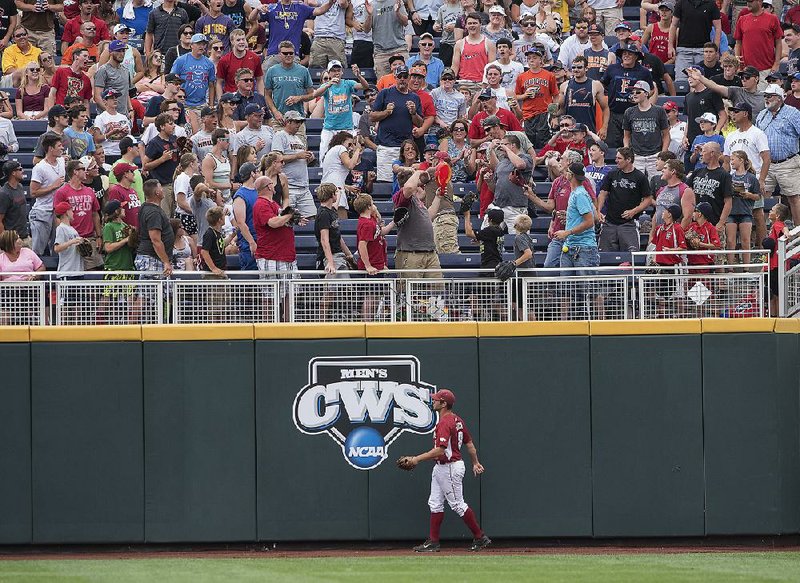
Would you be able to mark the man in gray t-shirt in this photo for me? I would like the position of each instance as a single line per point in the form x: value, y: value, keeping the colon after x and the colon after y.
x: 296, y: 159
x: 113, y: 75
x: 254, y: 133
x: 748, y: 92
x: 645, y: 129
x: 512, y: 170
x: 389, y: 20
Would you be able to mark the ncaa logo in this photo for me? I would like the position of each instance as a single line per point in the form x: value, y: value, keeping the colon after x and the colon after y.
x: 364, y: 404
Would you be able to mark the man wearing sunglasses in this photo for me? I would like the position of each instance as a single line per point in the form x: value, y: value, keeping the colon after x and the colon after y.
x: 748, y: 92
x: 240, y: 57
x: 284, y: 84
x: 72, y: 30
x: 434, y: 65
x: 17, y: 56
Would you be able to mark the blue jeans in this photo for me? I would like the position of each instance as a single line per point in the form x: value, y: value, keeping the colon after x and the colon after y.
x: 553, y: 258
x: 580, y: 257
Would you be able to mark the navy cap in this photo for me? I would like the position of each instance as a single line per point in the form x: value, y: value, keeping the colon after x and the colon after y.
x: 401, y: 70
x: 487, y: 93
x: 251, y: 108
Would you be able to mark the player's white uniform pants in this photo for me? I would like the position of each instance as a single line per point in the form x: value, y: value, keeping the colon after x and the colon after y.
x: 446, y: 484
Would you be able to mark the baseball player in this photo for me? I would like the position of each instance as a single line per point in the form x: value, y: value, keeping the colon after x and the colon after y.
x: 450, y: 435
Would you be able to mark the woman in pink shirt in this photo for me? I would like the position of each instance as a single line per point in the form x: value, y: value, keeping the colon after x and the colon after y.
x: 17, y: 259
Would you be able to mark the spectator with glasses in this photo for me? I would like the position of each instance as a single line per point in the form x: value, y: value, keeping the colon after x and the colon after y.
x: 171, y: 107
x: 580, y: 97
x: 434, y: 65
x: 183, y: 46
x: 247, y: 95
x: 284, y: 84
x: 575, y: 44
x: 238, y: 59
x: 72, y: 30
x: 87, y: 40
x: 509, y: 70
x: 214, y: 52
x: 17, y: 56
x: 450, y: 104
x: 33, y: 95
x: 161, y: 159
x: 48, y: 65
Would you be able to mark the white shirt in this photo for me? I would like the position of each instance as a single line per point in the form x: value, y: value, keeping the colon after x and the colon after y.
x: 676, y: 134
x: 151, y: 132
x: 45, y: 174
x: 571, y: 48
x: 510, y: 73
x: 107, y: 122
x: 753, y: 141
x: 333, y: 171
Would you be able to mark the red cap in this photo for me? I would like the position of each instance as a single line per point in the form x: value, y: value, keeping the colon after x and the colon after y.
x: 443, y: 156
x: 62, y: 208
x: 670, y: 105
x: 444, y: 395
x: 122, y: 168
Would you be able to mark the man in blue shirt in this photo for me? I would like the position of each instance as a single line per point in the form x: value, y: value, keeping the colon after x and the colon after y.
x: 285, y: 87
x: 434, y: 64
x: 398, y: 111
x: 781, y: 123
x: 198, y: 74
x: 243, y: 202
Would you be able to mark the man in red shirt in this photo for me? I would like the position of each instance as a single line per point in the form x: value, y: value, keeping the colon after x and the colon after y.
x: 71, y: 81
x: 86, y: 209
x: 488, y: 100
x: 275, y: 250
x: 72, y: 29
x: 124, y: 193
x: 417, y: 84
x: 448, y: 471
x: 758, y: 39
x: 536, y: 88
x: 240, y: 57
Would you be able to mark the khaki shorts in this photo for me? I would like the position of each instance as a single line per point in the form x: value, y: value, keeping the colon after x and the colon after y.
x: 324, y: 50
x: 168, y: 202
x: 445, y: 233
x: 44, y: 39
x: 418, y: 260
x: 382, y: 59
x: 786, y: 175
x: 95, y: 260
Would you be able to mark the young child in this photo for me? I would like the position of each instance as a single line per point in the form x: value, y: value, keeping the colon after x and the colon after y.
x: 490, y: 237
x: 119, y: 255
x: 214, y: 243
x: 523, y: 258
x: 702, y: 234
x: 370, y: 235
x: 777, y: 216
x: 656, y: 181
x: 746, y: 191
x: 67, y: 241
x: 708, y: 125
x: 668, y: 236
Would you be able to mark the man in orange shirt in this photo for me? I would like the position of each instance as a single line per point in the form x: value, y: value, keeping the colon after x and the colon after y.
x: 536, y: 88
x: 88, y: 41
x: 389, y: 80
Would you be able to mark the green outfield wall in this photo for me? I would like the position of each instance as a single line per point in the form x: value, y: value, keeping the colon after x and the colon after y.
x: 289, y: 432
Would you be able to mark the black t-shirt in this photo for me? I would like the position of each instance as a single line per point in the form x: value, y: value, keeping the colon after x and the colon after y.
x: 155, y: 103
x: 656, y: 68
x: 214, y: 243
x: 625, y: 191
x: 155, y: 149
x: 236, y: 12
x: 792, y: 67
x: 151, y: 217
x: 710, y: 72
x: 697, y: 104
x: 721, y: 80
x: 7, y: 9
x: 491, y: 240
x: 14, y: 209
x: 713, y: 187
x: 696, y: 18
x: 328, y: 218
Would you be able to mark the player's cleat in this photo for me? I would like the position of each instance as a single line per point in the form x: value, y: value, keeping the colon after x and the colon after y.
x: 480, y: 543
x: 428, y: 546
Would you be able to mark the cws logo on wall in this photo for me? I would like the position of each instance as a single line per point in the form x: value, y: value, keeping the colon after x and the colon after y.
x: 364, y: 404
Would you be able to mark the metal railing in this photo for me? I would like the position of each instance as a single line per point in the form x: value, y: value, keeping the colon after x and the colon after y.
x: 789, y: 275
x: 642, y: 290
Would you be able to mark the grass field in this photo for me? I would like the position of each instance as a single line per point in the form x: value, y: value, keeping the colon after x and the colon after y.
x: 600, y: 568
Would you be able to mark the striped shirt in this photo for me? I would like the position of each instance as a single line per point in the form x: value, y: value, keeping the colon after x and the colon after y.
x: 782, y: 129
x: 165, y: 27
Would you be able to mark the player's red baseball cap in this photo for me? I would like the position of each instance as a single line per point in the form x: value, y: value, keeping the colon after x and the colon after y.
x: 444, y: 395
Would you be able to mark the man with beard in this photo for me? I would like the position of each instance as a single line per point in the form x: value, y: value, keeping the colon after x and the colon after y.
x: 114, y: 75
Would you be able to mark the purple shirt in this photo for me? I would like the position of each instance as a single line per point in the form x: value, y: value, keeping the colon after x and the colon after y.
x: 286, y: 23
x: 216, y: 28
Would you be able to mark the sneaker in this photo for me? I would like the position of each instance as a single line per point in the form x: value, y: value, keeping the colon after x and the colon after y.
x: 480, y: 543
x: 428, y: 546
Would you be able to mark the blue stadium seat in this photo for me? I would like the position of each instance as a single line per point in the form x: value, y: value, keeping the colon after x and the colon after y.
x: 313, y: 125
x: 29, y: 127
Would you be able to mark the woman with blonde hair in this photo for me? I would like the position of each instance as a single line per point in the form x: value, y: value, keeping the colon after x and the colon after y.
x: 33, y: 95
x: 152, y: 83
x: 272, y: 166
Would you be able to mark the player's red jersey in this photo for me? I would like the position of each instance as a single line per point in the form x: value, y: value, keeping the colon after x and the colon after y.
x: 451, y: 434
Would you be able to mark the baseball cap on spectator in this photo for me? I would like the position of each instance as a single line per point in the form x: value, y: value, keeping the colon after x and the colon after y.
x: 57, y: 110
x: 10, y: 166
x: 749, y: 71
x: 293, y: 115
x: 628, y: 49
x: 445, y: 395
x: 448, y: 72
x: 766, y: 2
x: 793, y: 25
x: 426, y: 35
x: 207, y: 111
x: 643, y: 85
x: 419, y: 69
x: 230, y: 98
x: 487, y: 93
x: 497, y: 10
x: 122, y: 168
x: 334, y: 63
x: 117, y: 45
x: 743, y: 106
x: 495, y: 216
x: 527, y: 16
x: 492, y: 121
x: 199, y: 38
x: 675, y: 211
x: 556, y: 66
x: 774, y: 90
x: 127, y: 143
x: 246, y: 170
x: 534, y: 50
x: 401, y: 70
x: 622, y: 25
x: 709, y: 117
x: 432, y: 147
x: 671, y: 105
x: 111, y: 93
x: 173, y: 78
x: 62, y: 207
x: 796, y: 77
x: 773, y: 77
x: 577, y: 170
x: 252, y: 108
x: 394, y: 58
x: 666, y: 4
x: 593, y: 28
x: 705, y: 209
x: 121, y: 28
x: 88, y: 161
x: 111, y: 207
x: 580, y: 127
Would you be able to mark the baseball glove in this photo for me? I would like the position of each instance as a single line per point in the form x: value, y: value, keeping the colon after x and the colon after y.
x: 466, y: 202
x: 505, y: 270
x: 692, y: 239
x: 405, y: 463
x: 132, y: 235
x: 85, y: 248
x: 400, y: 216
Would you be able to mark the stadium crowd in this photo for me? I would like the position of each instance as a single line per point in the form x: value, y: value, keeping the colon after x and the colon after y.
x: 177, y: 134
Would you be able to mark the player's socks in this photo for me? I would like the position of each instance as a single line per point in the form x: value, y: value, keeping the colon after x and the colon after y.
x: 436, y: 525
x: 472, y: 523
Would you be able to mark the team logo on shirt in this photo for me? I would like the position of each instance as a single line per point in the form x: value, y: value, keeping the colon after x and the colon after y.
x: 364, y: 403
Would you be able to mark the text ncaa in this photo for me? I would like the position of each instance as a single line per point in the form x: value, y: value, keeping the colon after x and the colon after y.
x: 364, y: 404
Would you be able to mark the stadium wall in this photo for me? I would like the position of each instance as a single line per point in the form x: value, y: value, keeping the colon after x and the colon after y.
x: 608, y: 429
